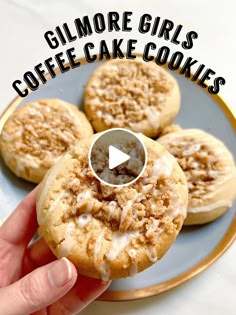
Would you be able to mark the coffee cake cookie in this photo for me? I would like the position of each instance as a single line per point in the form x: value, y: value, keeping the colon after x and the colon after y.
x: 131, y: 94
x: 112, y: 232
x: 38, y: 133
x: 210, y: 171
x: 169, y: 129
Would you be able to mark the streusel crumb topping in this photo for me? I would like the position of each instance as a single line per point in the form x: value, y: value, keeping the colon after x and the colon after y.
x: 148, y: 206
x: 201, y: 164
x: 127, y: 92
x: 43, y: 130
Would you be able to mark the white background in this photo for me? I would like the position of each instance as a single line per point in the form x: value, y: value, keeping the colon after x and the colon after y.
x: 22, y: 46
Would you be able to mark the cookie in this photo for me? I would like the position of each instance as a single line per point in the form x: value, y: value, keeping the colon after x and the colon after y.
x: 131, y: 94
x: 169, y: 129
x: 38, y: 133
x: 210, y: 171
x: 112, y: 232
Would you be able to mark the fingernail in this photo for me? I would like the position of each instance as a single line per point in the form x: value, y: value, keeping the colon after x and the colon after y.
x: 60, y: 273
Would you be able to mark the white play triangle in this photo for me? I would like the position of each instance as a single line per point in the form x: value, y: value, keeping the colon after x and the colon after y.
x: 116, y: 157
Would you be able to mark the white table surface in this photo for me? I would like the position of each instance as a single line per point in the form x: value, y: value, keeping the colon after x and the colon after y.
x: 22, y: 46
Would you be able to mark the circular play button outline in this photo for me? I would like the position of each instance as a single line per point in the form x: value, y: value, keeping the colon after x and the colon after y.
x: 122, y: 154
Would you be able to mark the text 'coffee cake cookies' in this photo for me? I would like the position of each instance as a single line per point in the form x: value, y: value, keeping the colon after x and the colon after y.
x: 112, y: 232
x: 131, y: 94
x: 38, y: 133
x: 209, y: 169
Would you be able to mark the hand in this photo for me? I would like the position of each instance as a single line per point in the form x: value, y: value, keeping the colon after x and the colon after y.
x: 31, y: 279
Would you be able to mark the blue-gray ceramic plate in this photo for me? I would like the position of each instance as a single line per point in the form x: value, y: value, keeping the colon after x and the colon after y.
x: 196, y: 247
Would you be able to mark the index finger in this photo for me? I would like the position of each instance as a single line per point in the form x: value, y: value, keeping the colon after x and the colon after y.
x: 21, y: 225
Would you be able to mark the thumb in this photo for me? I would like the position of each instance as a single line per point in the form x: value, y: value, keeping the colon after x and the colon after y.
x: 38, y: 289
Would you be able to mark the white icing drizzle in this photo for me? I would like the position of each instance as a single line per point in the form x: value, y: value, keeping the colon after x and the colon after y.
x: 147, y: 188
x: 67, y: 137
x: 187, y: 152
x: 9, y: 137
x: 152, y: 254
x: 68, y: 243
x: 177, y: 210
x: 108, y: 117
x: 55, y: 203
x: 96, y: 101
x: 19, y: 132
x: 97, y: 246
x: 99, y: 113
x: 49, y: 156
x: 75, y: 181
x: 84, y: 196
x: 119, y: 242
x: 195, y: 164
x: 35, y: 112
x: 128, y: 206
x: 100, y: 92
x: 213, y: 173
x: 6, y: 137
x: 192, y: 149
x: 111, y: 206
x: 102, y: 266
x: 20, y: 166
x: 196, y: 147
x: 210, y: 207
x: 178, y: 207
x: 22, y: 162
x: 133, y: 270
x: 105, y: 271
x: 163, y: 166
x: 140, y: 197
x: 84, y: 219
x: 125, y: 210
x: 154, y: 225
x: 132, y: 252
x: 161, y: 97
x: 153, y: 117
x: 31, y: 161
x: 209, y: 141
x: 52, y: 207
x: 156, y: 192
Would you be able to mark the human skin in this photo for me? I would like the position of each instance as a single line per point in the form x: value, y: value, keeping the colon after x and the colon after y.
x: 32, y: 280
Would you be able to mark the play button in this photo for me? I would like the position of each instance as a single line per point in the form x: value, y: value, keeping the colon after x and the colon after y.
x: 117, y: 157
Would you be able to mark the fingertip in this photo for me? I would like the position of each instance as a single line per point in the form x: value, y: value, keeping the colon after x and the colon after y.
x: 62, y: 273
x: 72, y: 271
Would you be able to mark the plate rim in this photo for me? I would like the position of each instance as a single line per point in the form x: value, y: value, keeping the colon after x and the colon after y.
x: 215, y: 254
